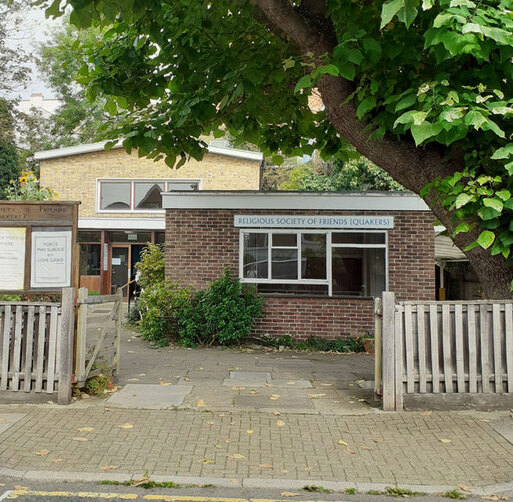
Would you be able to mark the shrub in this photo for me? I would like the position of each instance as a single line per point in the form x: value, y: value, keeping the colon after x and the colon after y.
x: 134, y: 314
x: 98, y: 385
x: 160, y: 305
x: 151, y: 265
x: 222, y: 314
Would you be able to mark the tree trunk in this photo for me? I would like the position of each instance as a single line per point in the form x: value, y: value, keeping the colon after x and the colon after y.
x: 413, y: 167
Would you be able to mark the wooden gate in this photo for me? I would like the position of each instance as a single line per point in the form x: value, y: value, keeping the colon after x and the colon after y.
x: 36, y: 346
x: 445, y: 347
x: 98, y: 335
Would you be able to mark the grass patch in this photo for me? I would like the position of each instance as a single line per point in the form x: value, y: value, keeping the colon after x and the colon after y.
x: 392, y: 491
x: 317, y: 489
x: 350, y: 491
x: 454, y: 494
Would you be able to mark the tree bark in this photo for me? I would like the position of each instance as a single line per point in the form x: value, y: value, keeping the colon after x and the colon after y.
x: 413, y: 167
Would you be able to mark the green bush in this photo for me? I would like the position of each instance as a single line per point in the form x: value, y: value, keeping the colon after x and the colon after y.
x: 160, y: 305
x: 222, y: 314
x: 151, y: 265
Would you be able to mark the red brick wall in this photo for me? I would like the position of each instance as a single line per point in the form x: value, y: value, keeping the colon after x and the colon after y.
x: 201, y: 243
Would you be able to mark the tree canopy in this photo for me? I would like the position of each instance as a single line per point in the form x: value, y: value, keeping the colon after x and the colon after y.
x: 423, y: 88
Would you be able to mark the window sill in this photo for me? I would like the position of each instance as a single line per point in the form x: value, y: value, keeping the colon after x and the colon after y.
x: 323, y: 297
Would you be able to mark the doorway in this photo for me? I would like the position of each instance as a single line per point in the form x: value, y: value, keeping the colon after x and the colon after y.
x: 120, y: 261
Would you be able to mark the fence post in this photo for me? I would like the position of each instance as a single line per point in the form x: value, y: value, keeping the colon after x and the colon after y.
x: 388, y: 352
x: 81, y: 337
x: 118, y: 331
x: 378, y: 326
x: 66, y: 346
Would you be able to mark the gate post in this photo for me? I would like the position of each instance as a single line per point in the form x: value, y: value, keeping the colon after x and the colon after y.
x: 66, y: 347
x: 81, y: 338
x: 378, y: 330
x: 388, y: 352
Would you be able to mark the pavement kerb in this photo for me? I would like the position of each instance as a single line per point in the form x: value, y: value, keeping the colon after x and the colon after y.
x: 285, y: 484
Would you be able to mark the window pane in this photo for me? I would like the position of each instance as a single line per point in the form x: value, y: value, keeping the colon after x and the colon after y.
x: 284, y: 264
x: 115, y: 196
x: 313, y: 256
x: 89, y: 259
x: 160, y: 238
x: 89, y: 236
x: 358, y: 238
x: 358, y: 272
x: 255, y: 259
x: 148, y: 195
x: 289, y: 240
x: 190, y: 185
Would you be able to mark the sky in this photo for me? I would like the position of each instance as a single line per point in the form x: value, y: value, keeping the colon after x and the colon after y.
x: 33, y: 31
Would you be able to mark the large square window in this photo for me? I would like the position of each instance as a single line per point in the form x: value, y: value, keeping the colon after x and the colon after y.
x: 115, y: 196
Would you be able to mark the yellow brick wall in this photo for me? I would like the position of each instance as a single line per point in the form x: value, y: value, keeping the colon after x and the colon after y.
x: 74, y: 177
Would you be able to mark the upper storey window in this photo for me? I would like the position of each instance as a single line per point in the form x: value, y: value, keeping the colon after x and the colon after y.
x: 138, y: 195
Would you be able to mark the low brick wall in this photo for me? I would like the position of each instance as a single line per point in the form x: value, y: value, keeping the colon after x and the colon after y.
x: 329, y: 318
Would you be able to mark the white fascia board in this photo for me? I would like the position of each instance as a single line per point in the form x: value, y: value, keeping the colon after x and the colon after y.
x: 121, y: 224
x: 100, y: 146
x: 358, y: 201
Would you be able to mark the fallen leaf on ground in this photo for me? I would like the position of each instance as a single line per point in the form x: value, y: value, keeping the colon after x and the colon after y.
x: 494, y: 497
x: 210, y: 423
x: 364, y: 447
x: 443, y: 440
x: 236, y: 456
x: 2, y: 419
x: 427, y: 413
x: 80, y: 439
x: 315, y: 396
x: 347, y: 450
x: 265, y: 466
x: 42, y: 453
x: 107, y: 409
x: 238, y: 387
x: 205, y: 461
x: 201, y: 368
x: 268, y: 384
x: 291, y: 383
x: 19, y: 487
x: 464, y: 488
x: 2, y: 484
x: 362, y: 400
x: 139, y: 482
x: 343, y: 443
x: 218, y: 446
x: 57, y: 460
x: 289, y: 494
x: 274, y: 397
x: 108, y: 467
x: 201, y: 403
x: 133, y: 379
x: 280, y: 423
x: 165, y: 384
x: 253, y: 392
x: 377, y: 440
x: 85, y: 429
x: 142, y: 374
x: 276, y: 413
x: 326, y: 384
x: 186, y: 379
x: 126, y: 426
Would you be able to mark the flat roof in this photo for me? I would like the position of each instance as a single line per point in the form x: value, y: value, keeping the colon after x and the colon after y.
x: 100, y: 146
x: 288, y: 200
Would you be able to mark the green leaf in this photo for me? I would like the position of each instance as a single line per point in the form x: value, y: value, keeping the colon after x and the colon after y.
x: 406, y: 102
x: 462, y: 200
x: 110, y: 107
x: 509, y: 168
x: 389, y: 10
x: 485, y: 239
x: 490, y: 125
x: 504, y: 152
x: 424, y: 131
x: 508, y: 204
x: 408, y: 13
x: 303, y: 82
x: 503, y: 194
x: 330, y: 69
x: 475, y: 118
x: 494, y: 203
x: 347, y: 71
x: 365, y: 106
x: 461, y: 228
x: 277, y: 159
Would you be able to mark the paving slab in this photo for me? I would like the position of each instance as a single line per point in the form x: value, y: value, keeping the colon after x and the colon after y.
x: 9, y: 419
x: 285, y: 363
x: 291, y: 400
x: 292, y: 384
x: 150, y: 396
x: 251, y: 375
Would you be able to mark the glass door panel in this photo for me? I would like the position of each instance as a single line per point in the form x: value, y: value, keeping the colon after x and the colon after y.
x: 120, y: 267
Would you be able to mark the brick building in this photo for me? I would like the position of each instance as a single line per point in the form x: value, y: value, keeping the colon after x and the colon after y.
x: 121, y: 201
x: 319, y: 258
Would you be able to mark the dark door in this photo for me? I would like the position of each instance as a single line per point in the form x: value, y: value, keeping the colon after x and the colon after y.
x: 120, y: 268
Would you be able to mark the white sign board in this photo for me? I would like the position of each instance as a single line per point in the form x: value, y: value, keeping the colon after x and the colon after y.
x: 309, y: 221
x: 12, y: 258
x: 51, y: 258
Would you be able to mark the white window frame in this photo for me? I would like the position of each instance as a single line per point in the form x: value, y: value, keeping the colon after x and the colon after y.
x: 329, y: 246
x: 133, y: 181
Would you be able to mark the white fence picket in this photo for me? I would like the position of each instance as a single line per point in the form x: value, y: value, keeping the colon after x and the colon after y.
x: 472, y: 348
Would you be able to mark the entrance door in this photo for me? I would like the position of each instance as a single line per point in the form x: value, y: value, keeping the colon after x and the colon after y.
x: 120, y: 268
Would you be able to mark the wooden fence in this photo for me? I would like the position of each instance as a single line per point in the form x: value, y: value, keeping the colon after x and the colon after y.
x: 98, y: 335
x: 445, y: 347
x: 36, y: 346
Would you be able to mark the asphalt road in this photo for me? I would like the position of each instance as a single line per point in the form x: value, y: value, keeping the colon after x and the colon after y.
x: 82, y: 492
